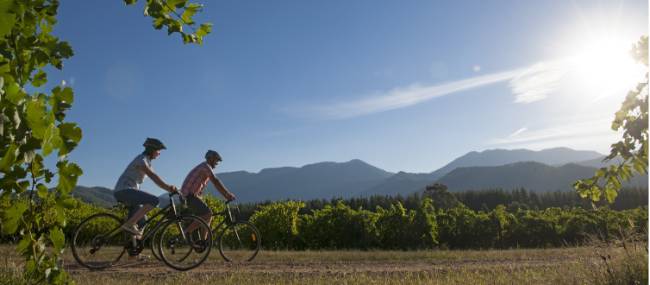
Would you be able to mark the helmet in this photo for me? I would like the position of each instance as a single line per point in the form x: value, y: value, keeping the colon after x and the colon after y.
x: 155, y: 144
x: 212, y: 153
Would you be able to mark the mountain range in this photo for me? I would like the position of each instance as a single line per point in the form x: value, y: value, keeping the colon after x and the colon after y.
x: 545, y: 170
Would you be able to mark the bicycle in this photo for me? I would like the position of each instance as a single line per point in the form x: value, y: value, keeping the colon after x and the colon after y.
x: 238, y: 240
x: 97, y: 239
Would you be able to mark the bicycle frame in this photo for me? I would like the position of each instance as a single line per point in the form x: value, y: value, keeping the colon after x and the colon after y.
x: 227, y: 214
x: 171, y: 208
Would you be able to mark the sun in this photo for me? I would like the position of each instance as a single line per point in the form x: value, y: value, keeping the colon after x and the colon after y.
x: 604, y: 67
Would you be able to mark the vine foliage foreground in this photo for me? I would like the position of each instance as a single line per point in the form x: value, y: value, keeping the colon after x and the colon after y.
x: 632, y: 149
x: 33, y: 126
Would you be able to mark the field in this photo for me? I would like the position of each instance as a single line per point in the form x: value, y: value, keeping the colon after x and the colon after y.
x: 517, y: 266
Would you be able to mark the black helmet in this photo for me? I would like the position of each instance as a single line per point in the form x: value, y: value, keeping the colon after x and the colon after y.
x: 154, y: 144
x: 212, y: 153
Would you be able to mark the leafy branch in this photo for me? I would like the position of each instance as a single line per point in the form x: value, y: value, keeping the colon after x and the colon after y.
x: 167, y: 13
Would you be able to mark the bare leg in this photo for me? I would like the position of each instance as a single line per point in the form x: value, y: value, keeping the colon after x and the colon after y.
x: 139, y: 214
x: 207, y: 217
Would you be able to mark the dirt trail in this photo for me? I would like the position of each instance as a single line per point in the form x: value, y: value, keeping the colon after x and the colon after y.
x: 214, y: 266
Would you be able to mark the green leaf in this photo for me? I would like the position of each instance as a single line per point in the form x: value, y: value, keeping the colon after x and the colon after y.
x: 595, y: 193
x: 42, y: 191
x: 66, y: 95
x: 57, y: 237
x: 189, y: 12
x: 68, y: 175
x: 174, y: 27
x: 130, y: 2
x: 11, y: 216
x: 37, y: 118
x: 4, y: 66
x: 176, y: 3
x: 9, y: 158
x: 30, y: 266
x: 639, y: 165
x: 39, y: 79
x: 64, y: 49
x: 69, y: 202
x: 24, y: 244
x: 60, y: 208
x: 610, y: 193
x: 14, y: 93
x: 158, y: 23
x: 70, y: 131
x: 204, y: 29
x: 7, y: 19
x: 51, y: 140
x: 600, y: 172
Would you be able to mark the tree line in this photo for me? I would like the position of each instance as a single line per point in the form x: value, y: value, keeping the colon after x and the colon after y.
x: 477, y: 200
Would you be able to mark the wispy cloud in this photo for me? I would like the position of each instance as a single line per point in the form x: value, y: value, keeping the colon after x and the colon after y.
x: 587, y: 127
x: 518, y: 132
x: 528, y: 84
x: 405, y: 96
x: 538, y: 81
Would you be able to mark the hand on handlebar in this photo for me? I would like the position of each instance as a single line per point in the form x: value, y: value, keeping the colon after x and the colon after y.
x: 172, y: 189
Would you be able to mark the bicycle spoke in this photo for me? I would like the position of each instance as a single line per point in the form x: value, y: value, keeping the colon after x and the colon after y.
x: 239, y: 242
x: 182, y: 250
x: 98, y: 241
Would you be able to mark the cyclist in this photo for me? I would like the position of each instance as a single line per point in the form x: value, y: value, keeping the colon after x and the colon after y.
x: 127, y: 189
x: 195, y: 182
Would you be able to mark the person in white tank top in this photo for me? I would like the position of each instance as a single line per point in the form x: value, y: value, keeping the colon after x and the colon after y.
x: 127, y: 189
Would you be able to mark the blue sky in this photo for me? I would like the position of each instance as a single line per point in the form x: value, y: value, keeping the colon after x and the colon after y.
x: 402, y: 85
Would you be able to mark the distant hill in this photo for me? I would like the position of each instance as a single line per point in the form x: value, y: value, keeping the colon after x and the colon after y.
x: 318, y: 180
x: 532, y: 176
x: 400, y: 183
x: 99, y: 196
x: 495, y: 157
x: 598, y: 162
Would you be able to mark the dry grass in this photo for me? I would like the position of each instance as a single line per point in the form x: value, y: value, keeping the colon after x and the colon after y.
x: 517, y: 266
x: 624, y: 261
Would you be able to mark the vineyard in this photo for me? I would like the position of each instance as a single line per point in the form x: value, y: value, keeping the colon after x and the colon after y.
x: 338, y: 226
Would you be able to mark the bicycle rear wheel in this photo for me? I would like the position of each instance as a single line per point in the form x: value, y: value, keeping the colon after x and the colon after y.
x: 183, y: 250
x: 98, y: 242
x: 154, y: 243
x: 239, y: 242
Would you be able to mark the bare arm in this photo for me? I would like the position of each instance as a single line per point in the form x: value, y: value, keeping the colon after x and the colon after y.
x: 217, y: 183
x: 156, y: 179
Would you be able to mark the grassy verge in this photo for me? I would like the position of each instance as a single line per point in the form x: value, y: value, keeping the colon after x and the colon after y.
x: 584, y: 265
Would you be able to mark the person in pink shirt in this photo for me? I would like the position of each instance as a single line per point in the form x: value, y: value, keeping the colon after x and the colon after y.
x: 194, y: 184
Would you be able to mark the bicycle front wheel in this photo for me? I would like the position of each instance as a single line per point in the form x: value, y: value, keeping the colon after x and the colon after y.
x: 185, y: 242
x: 239, y: 242
x: 98, y: 242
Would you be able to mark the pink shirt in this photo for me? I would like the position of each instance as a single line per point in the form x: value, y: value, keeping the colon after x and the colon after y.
x: 196, y: 180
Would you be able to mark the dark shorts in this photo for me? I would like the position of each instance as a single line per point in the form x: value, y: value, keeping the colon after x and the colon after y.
x: 134, y: 199
x: 197, y: 206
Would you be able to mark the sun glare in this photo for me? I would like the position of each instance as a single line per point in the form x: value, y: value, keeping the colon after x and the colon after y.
x: 604, y: 67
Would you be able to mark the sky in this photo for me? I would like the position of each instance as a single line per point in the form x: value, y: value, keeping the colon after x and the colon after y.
x: 403, y: 85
